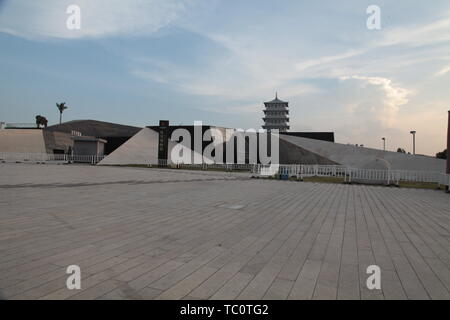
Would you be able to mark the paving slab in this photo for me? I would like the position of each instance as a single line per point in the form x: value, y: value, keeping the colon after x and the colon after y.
x: 148, y: 233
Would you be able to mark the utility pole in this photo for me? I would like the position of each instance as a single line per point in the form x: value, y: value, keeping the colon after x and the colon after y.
x: 448, y: 153
x: 414, y: 141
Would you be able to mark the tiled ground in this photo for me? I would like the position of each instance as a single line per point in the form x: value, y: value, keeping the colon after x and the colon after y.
x: 160, y: 234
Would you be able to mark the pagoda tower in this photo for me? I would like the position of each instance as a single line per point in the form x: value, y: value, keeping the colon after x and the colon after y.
x: 276, y: 115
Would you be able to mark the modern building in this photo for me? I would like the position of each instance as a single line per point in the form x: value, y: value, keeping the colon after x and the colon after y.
x: 33, y: 140
x: 115, y: 134
x: 155, y: 144
x: 276, y: 115
x: 88, y: 146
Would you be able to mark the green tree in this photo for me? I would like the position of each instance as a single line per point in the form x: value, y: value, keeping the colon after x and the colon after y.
x: 61, y: 107
x: 442, y: 155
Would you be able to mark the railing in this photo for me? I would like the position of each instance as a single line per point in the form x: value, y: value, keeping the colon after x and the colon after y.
x: 275, y: 116
x: 48, y: 157
x: 300, y: 170
x: 20, y: 125
x: 395, y: 176
x: 162, y: 162
x: 211, y: 166
x: 294, y: 170
x: 355, y: 174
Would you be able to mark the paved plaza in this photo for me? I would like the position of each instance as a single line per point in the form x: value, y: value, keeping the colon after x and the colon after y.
x: 140, y: 233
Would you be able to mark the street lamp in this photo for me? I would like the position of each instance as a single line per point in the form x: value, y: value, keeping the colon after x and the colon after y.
x: 448, y: 153
x: 414, y: 141
x: 384, y: 143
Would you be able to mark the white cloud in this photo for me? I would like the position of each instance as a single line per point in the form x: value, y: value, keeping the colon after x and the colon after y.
x: 253, y: 109
x: 383, y: 105
x: 99, y: 18
x: 269, y: 52
x: 430, y: 33
x: 150, y: 75
x: 443, y: 71
x: 327, y: 60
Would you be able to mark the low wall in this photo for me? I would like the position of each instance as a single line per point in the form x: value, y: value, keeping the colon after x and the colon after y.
x: 22, y: 141
x: 360, y: 157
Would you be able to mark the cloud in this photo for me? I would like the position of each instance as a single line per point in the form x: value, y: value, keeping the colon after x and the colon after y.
x: 99, y: 18
x: 332, y: 69
x: 150, y: 75
x: 383, y: 98
x: 327, y: 60
x: 227, y: 76
x: 443, y: 71
x: 417, y: 35
x: 253, y: 109
x: 360, y: 110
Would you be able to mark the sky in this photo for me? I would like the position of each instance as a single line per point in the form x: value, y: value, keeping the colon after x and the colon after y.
x: 137, y: 61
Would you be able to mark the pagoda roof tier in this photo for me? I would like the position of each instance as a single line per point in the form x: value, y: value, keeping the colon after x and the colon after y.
x: 276, y: 100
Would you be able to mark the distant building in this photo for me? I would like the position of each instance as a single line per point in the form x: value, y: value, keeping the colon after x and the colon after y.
x: 89, y: 146
x: 115, y: 134
x: 78, y: 137
x: 276, y: 115
x: 43, y: 141
x: 154, y: 145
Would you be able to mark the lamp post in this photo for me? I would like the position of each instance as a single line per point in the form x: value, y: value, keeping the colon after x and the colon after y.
x: 414, y: 141
x: 448, y: 154
x: 384, y: 143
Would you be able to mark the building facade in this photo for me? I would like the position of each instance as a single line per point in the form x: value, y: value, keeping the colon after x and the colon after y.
x: 276, y: 115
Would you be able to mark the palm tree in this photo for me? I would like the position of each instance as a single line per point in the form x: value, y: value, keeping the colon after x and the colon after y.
x: 61, y: 107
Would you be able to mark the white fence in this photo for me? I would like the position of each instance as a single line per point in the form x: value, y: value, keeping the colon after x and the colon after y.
x: 346, y: 173
x: 354, y: 174
x: 210, y: 166
x: 48, y: 157
x: 294, y: 170
x: 219, y: 166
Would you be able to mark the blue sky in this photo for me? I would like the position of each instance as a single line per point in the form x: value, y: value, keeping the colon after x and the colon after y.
x: 138, y: 61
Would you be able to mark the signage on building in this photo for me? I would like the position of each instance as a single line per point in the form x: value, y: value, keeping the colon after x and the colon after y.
x: 163, y: 142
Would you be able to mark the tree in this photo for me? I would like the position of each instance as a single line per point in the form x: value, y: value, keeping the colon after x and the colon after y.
x: 401, y: 150
x: 61, y: 107
x: 40, y: 120
x: 442, y: 155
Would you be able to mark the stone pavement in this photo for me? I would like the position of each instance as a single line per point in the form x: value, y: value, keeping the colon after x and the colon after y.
x: 169, y: 234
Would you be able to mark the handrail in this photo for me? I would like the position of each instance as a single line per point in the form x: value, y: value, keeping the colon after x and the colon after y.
x: 48, y: 157
x: 356, y: 174
x: 291, y: 170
